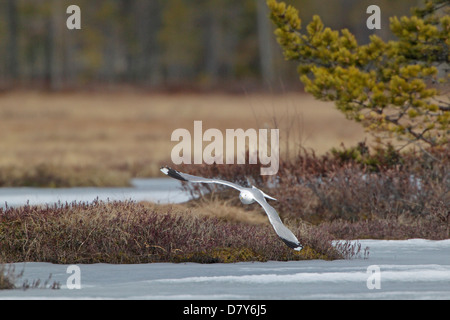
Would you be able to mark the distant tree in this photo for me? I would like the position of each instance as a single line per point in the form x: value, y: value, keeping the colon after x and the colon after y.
x: 395, y: 87
x: 265, y: 47
x: 12, y: 48
x: 179, y: 40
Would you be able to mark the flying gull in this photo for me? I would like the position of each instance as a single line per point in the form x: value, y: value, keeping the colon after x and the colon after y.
x: 247, y: 196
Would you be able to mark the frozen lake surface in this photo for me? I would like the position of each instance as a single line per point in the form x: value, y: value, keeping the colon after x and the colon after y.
x: 160, y: 190
x: 408, y: 269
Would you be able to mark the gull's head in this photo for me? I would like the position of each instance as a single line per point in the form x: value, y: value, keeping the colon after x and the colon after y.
x: 246, y: 197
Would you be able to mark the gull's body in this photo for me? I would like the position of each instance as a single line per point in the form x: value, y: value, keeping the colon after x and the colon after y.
x: 247, y: 196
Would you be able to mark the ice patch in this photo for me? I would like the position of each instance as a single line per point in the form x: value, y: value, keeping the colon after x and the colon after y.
x: 415, y: 275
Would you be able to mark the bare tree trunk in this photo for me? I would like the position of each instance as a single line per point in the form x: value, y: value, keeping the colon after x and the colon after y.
x: 265, y: 42
x: 147, y: 25
x: 213, y: 44
x: 13, y: 34
x: 53, y: 47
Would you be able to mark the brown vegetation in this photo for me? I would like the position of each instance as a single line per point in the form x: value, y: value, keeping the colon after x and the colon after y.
x: 129, y: 232
x: 354, y: 193
x: 9, y: 279
x: 347, y: 193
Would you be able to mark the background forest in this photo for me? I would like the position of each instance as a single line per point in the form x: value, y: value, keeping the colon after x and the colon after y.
x: 214, y: 44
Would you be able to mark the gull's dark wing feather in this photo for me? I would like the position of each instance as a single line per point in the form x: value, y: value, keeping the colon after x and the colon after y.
x: 190, y: 178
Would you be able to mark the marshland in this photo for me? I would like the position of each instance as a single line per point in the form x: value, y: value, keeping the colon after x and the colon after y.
x: 103, y: 140
x: 89, y: 117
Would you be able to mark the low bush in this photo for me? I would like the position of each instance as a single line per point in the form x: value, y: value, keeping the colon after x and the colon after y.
x: 129, y: 232
x: 9, y: 278
x: 408, y: 193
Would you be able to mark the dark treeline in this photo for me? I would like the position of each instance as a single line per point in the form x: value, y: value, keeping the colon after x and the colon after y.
x: 161, y: 43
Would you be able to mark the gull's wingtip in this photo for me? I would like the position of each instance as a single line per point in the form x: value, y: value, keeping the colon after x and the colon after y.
x: 172, y: 173
x: 164, y: 170
x: 296, y: 245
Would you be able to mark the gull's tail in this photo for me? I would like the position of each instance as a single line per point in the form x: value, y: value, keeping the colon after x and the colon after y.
x: 265, y: 195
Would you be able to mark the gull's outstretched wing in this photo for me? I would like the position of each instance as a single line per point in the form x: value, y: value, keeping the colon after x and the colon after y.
x: 282, y: 231
x: 190, y: 178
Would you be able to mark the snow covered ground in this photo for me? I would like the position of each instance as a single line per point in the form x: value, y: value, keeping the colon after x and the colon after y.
x: 406, y: 269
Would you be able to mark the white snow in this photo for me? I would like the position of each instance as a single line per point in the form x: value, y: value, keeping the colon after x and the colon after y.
x: 420, y: 272
x: 411, y: 275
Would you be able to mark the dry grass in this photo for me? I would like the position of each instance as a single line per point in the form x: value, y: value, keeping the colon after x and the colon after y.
x: 218, y: 208
x: 69, y: 139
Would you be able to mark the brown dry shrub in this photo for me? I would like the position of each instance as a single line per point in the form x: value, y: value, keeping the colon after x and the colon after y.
x: 129, y: 232
x: 385, y: 189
